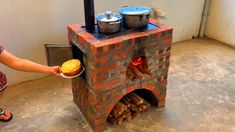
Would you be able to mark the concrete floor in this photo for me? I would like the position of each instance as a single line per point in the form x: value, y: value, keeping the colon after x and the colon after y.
x: 201, y: 97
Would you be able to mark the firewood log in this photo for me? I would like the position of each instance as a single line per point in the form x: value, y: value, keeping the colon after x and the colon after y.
x: 135, y: 98
x: 134, y: 109
x: 128, y: 118
x: 143, y: 67
x: 130, y: 74
x: 114, y: 121
x: 118, y: 109
x: 125, y: 102
x: 120, y: 122
x: 147, y: 104
x: 128, y: 108
x: 136, y: 115
x: 136, y: 71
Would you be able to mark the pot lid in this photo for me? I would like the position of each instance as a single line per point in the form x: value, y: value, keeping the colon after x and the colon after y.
x: 135, y: 10
x: 108, y: 16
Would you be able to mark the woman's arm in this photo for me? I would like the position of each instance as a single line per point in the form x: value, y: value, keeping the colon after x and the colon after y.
x: 16, y: 63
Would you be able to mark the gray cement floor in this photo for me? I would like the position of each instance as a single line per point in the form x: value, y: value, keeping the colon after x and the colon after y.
x: 201, y: 97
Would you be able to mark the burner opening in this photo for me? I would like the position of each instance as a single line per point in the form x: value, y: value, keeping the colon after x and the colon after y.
x: 138, y: 67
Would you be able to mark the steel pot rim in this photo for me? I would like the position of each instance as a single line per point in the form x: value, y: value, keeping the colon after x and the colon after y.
x: 135, y: 10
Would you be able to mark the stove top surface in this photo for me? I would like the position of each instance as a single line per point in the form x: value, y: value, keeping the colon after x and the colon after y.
x: 124, y: 31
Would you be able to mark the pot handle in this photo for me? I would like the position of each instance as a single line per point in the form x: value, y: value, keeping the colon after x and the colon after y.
x: 112, y: 23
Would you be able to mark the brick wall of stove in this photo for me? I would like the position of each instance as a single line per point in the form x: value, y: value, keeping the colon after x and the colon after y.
x: 106, y: 64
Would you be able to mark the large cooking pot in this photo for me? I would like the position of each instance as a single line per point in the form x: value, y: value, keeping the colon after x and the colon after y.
x: 135, y: 16
x: 109, y: 22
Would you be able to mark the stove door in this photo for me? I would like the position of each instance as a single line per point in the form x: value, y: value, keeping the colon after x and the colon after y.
x: 56, y: 54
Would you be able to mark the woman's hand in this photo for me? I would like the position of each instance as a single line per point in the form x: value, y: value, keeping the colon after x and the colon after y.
x: 55, y: 70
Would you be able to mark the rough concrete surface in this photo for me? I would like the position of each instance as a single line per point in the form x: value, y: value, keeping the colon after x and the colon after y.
x: 200, y: 97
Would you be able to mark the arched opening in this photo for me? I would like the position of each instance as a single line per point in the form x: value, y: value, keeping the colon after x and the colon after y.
x: 147, y: 95
x: 131, y: 106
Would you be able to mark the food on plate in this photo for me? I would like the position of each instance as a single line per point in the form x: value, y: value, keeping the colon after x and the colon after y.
x: 71, y: 67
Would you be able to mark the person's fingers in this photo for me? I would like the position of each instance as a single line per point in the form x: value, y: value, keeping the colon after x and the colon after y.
x: 56, y: 73
x: 55, y: 70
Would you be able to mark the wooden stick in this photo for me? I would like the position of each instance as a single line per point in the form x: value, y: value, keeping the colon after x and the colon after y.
x: 135, y: 98
x: 118, y: 109
x: 125, y: 102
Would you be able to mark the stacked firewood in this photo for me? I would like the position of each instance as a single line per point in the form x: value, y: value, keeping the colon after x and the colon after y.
x: 128, y: 108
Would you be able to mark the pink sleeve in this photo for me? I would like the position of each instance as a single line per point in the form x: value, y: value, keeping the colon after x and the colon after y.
x: 1, y: 49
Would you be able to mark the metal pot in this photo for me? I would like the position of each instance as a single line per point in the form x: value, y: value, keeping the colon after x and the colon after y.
x: 135, y: 16
x: 109, y: 22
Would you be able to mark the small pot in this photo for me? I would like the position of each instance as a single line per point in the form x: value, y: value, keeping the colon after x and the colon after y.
x: 135, y: 16
x: 109, y: 22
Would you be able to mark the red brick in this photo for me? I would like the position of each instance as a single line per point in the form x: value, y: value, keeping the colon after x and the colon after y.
x: 85, y: 37
x: 155, y: 32
x: 130, y: 89
x: 99, y: 128
x: 149, y: 86
x: 102, y: 77
x: 107, y: 84
x: 105, y: 44
x: 109, y: 109
x: 98, y: 114
x: 104, y: 98
x: 81, y: 40
x: 165, y: 28
x: 118, y: 46
x: 100, y: 121
x: 162, y: 97
x: 121, y: 55
x: 118, y: 97
x: 99, y: 106
x: 94, y: 50
x: 123, y: 72
x: 135, y: 35
x: 111, y: 41
x: 111, y: 95
x: 102, y: 59
x: 158, y: 43
x: 168, y: 41
x: 156, y: 91
x: 105, y: 49
x: 161, y: 103
x: 164, y: 83
x: 96, y: 44
x: 106, y: 89
x: 158, y: 35
x: 108, y: 67
x: 74, y: 28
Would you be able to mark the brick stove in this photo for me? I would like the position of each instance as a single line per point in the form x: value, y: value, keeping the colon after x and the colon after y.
x: 105, y: 80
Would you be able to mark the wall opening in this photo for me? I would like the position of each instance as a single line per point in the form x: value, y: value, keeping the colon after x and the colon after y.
x: 131, y: 106
x: 78, y: 54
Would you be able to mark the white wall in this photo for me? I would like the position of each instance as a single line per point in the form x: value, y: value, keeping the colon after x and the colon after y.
x: 26, y: 25
x: 221, y: 21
